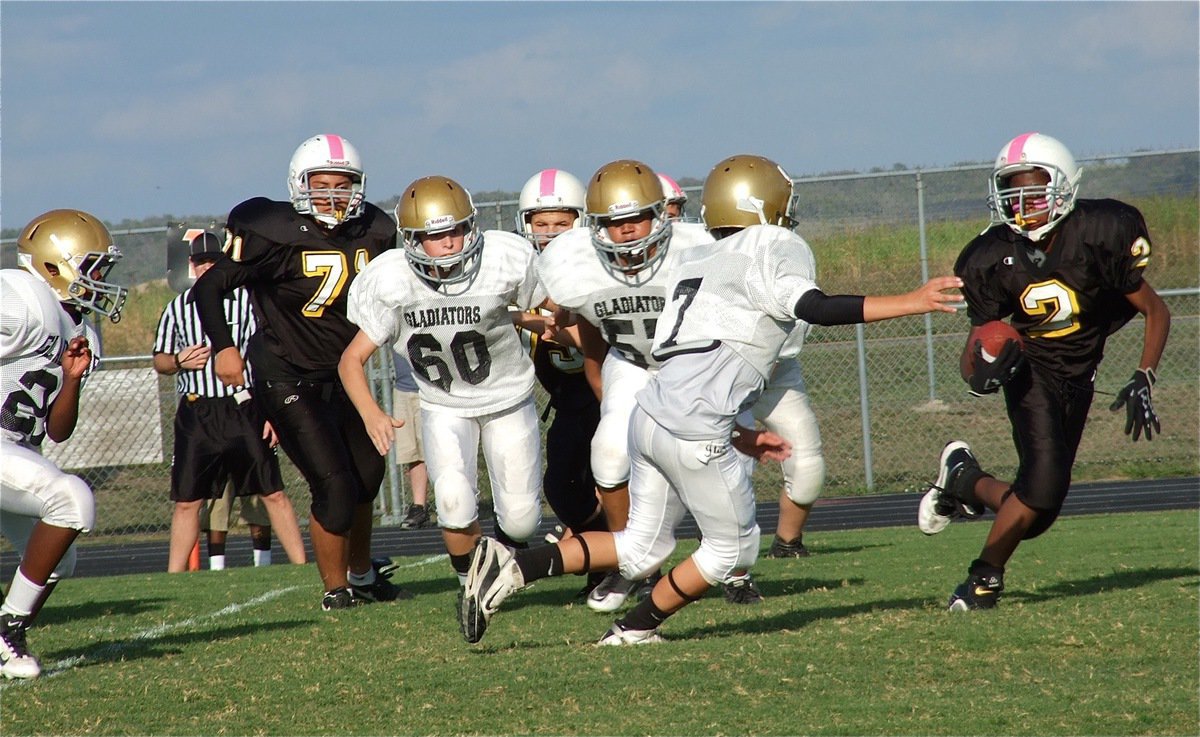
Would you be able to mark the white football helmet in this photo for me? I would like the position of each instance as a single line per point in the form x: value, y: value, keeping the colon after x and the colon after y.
x: 1026, y: 152
x: 72, y: 252
x: 624, y: 189
x: 747, y: 190
x: 433, y: 205
x: 549, y: 189
x: 327, y: 153
x: 673, y: 194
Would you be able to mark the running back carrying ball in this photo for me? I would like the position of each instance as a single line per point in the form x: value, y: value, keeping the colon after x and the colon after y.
x: 994, y: 354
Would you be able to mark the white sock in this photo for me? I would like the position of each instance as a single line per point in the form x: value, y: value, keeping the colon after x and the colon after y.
x: 262, y: 558
x: 22, y: 595
x: 216, y: 562
x: 361, y: 579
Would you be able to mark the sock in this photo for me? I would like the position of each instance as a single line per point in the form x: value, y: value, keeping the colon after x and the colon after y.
x: 540, y: 562
x: 262, y: 557
x: 461, y: 564
x: 361, y: 579
x: 644, y: 616
x: 215, y: 549
x: 216, y: 562
x: 22, y: 596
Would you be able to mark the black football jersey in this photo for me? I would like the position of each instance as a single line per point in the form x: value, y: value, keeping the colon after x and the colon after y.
x: 1067, y: 301
x: 298, y: 274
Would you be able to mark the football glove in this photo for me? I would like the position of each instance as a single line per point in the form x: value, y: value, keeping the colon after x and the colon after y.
x: 989, y: 377
x: 1135, y: 397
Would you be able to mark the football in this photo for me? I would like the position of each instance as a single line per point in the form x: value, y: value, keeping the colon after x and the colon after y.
x: 994, y: 335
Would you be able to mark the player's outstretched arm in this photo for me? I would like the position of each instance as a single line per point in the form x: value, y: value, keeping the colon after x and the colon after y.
x: 354, y: 378
x: 934, y: 295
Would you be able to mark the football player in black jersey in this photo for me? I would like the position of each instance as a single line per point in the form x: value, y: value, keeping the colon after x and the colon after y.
x: 1068, y: 273
x: 297, y: 259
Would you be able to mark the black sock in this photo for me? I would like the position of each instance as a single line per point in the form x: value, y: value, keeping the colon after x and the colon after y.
x: 644, y: 616
x: 216, y: 549
x: 461, y: 563
x: 540, y: 562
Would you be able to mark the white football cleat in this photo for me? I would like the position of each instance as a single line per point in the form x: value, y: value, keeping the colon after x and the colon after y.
x: 493, y: 575
x: 611, y: 593
x: 15, y: 659
x: 938, y: 507
x: 618, y: 635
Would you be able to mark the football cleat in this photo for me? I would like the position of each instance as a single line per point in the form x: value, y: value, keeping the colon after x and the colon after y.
x: 492, y: 577
x: 741, y: 590
x: 384, y: 567
x: 611, y: 593
x: 340, y: 598
x: 618, y: 635
x: 944, y: 501
x: 646, y: 587
x: 977, y: 592
x: 380, y: 590
x: 15, y: 660
x: 555, y: 535
x: 781, y: 548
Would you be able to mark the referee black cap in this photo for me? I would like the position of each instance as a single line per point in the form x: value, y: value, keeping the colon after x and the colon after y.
x: 206, y: 247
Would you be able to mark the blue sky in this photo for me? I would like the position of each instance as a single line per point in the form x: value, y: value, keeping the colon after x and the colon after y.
x: 134, y: 110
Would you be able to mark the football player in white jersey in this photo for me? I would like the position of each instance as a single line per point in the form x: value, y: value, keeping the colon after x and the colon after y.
x: 443, y: 302
x: 614, y: 275
x: 44, y: 353
x: 731, y: 307
x: 783, y: 407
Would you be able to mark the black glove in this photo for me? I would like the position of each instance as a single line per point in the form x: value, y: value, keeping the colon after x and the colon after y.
x: 1139, y: 410
x: 989, y: 377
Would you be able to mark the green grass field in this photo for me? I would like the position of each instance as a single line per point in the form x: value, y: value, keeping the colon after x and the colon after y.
x: 1097, y: 634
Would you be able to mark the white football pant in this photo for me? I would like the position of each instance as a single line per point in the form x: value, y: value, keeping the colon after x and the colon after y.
x: 784, y: 409
x: 32, y: 488
x: 671, y: 476
x: 512, y: 450
x: 621, y: 381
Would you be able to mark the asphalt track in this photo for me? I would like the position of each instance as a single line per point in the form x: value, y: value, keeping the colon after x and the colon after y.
x: 840, y: 513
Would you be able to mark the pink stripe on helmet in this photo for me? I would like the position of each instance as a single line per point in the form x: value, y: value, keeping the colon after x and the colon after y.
x: 546, y: 186
x: 1017, y: 148
x: 337, y: 151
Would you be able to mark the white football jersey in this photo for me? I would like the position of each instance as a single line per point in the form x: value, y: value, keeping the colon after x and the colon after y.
x: 626, y: 314
x: 464, y: 351
x: 741, y: 291
x: 34, y: 332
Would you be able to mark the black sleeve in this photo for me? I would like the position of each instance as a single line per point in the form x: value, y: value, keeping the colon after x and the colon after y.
x: 207, y: 294
x: 818, y: 308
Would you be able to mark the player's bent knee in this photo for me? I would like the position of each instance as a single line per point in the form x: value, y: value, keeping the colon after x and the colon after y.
x: 804, y: 479
x: 718, y: 559
x: 454, y: 496
x: 71, y: 504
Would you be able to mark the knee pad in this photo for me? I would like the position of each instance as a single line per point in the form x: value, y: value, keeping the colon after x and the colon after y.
x: 455, y: 498
x: 520, y: 523
x: 334, y: 502
x: 70, y: 504
x: 803, y: 478
x: 717, y: 559
x: 610, y: 459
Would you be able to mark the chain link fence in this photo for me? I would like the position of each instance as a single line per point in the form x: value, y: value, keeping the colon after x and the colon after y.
x: 887, y: 395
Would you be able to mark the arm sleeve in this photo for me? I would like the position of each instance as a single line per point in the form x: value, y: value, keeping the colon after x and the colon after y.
x: 818, y: 308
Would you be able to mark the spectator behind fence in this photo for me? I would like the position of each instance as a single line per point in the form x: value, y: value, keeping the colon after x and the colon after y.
x: 220, y: 434
x: 410, y: 451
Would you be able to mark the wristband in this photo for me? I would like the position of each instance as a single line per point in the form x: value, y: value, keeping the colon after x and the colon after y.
x: 178, y: 365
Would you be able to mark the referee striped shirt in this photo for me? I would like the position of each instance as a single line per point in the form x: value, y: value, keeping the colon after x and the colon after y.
x: 179, y: 327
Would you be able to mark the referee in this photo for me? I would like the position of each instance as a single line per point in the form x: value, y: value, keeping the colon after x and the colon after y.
x: 220, y: 435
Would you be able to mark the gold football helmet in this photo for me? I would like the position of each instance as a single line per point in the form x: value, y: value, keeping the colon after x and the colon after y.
x: 620, y: 190
x: 747, y: 190
x: 434, y: 205
x: 72, y: 252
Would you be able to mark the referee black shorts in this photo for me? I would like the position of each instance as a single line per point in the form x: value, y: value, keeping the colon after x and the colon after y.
x: 219, y: 440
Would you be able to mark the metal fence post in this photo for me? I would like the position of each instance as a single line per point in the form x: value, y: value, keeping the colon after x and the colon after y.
x: 924, y: 246
x: 864, y: 405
